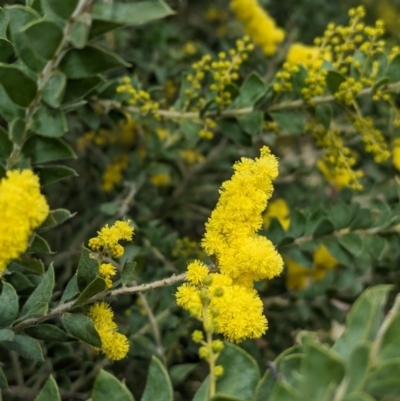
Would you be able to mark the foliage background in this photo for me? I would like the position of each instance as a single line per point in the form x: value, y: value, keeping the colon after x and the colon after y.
x: 159, y: 54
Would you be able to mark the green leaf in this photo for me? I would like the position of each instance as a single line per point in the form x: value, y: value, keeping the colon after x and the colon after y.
x: 44, y: 36
x: 390, y: 344
x: 42, y: 150
x: 20, y: 17
x: 19, y: 281
x: 4, y: 20
x: 322, y: 369
x: 358, y: 367
x: 241, y: 373
x: 17, y: 131
x: 80, y: 31
x: 131, y: 13
x: 221, y: 397
x: 82, y: 327
x: 358, y: 396
x: 53, y: 91
x: 47, y: 332
x: 100, y: 27
x: 252, y: 123
x: 324, y: 227
x: 41, y: 295
x: 362, y: 220
x: 297, y: 255
x: 96, y: 286
x: 333, y: 81
x: 19, y: 87
x: 90, y: 61
x: 393, y: 70
x: 6, y: 334
x: 231, y: 129
x: 337, y: 251
x: 49, y: 122
x: 297, y: 224
x: 5, y: 144
x: 63, y: 8
x: 251, y: 91
x: 25, y: 346
x: 80, y: 88
x: 88, y: 268
x: 158, y: 385
x: 384, y: 380
x: 107, y: 387
x: 340, y: 215
x: 282, y: 392
x: 8, y: 109
x: 9, y: 305
x: 128, y: 272
x: 3, y: 379
x: 323, y: 114
x: 375, y: 245
x: 352, y: 243
x: 178, y: 373
x: 38, y: 245
x: 55, y: 218
x: 49, y: 392
x: 363, y: 320
x: 32, y: 264
x: 51, y: 174
x: 292, y: 122
x: 6, y: 50
x: 71, y: 290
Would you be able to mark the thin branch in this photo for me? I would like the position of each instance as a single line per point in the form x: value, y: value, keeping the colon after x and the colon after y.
x: 65, y: 307
x: 195, y: 115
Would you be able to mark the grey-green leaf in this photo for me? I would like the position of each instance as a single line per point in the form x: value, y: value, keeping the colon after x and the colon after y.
x: 158, y: 385
x: 9, y: 305
x: 93, y: 288
x: 88, y: 269
x: 25, y: 346
x: 49, y: 122
x: 49, y: 392
x: 41, y: 295
x: 47, y: 332
x: 90, y: 61
x: 107, y: 387
x: 82, y: 327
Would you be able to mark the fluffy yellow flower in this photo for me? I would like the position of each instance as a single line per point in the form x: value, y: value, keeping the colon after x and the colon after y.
x: 307, y: 56
x: 114, y: 345
x: 23, y: 209
x: 196, y: 272
x: 258, y: 25
x: 107, y: 270
x: 231, y: 230
x: 160, y: 180
x: 108, y: 238
x: 339, y: 181
x: 280, y: 210
x: 188, y: 298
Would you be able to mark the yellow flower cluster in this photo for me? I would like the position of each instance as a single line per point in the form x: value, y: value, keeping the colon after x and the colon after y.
x: 123, y: 134
x: 108, y: 238
x: 114, y: 345
x: 191, y: 156
x: 113, y: 172
x: 226, y: 300
x: 138, y: 97
x: 160, y: 180
x: 23, y: 209
x: 297, y: 276
x: 223, y: 72
x: 106, y: 271
x: 258, y: 25
x: 307, y: 56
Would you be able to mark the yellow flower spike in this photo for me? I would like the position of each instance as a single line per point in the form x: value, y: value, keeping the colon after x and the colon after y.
x: 106, y: 271
x: 114, y: 345
x: 23, y: 209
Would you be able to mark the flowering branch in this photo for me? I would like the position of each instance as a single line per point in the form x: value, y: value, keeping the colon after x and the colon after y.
x: 287, y: 105
x: 65, y: 307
